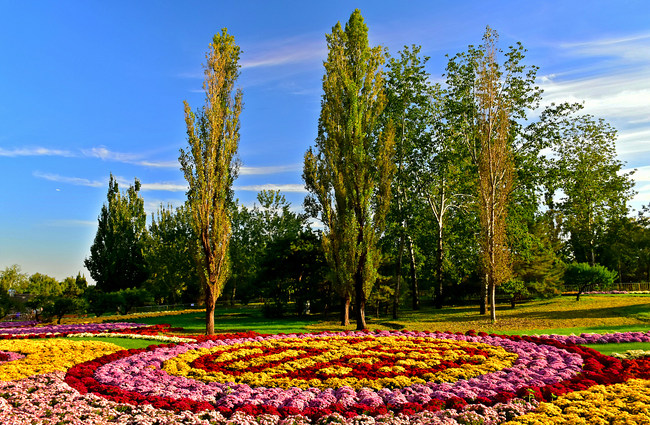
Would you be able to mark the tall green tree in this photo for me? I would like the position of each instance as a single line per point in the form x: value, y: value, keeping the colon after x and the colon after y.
x: 350, y: 171
x: 595, y: 190
x: 115, y: 260
x: 6, y: 304
x: 12, y: 278
x: 246, y: 249
x: 410, y: 96
x: 171, y: 267
x: 210, y: 166
x: 269, y: 225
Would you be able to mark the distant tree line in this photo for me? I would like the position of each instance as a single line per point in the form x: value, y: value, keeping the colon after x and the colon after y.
x: 47, y: 297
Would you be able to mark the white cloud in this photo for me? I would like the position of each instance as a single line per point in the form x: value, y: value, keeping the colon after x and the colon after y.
x: 169, y: 187
x: 613, y: 82
x: 272, y: 169
x: 102, y: 153
x: 71, y: 223
x: 624, y: 96
x: 632, y: 47
x: 37, y: 151
x: 302, y: 49
x: 77, y: 181
x: 105, y: 154
x: 642, y: 174
x: 632, y: 143
x: 136, y: 159
x: 158, y: 164
x: 297, y: 188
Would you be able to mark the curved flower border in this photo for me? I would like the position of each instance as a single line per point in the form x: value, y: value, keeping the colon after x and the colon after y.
x: 596, y: 369
x: 593, y: 394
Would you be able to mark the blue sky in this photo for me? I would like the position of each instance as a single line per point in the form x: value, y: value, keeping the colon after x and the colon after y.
x: 89, y: 88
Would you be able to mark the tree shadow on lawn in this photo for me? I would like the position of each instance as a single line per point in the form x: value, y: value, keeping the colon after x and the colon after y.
x: 590, y: 315
x: 586, y: 312
x: 229, y: 321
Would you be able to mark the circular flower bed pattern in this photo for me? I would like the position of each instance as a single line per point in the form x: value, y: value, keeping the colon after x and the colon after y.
x: 349, y: 377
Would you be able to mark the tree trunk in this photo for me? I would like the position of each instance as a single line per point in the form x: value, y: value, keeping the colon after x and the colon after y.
x: 493, y: 304
x: 234, y: 292
x: 209, y: 310
x: 414, y: 277
x: 361, y: 315
x: 360, y: 302
x: 439, y: 269
x: 484, y: 296
x: 398, y: 278
x: 345, y: 310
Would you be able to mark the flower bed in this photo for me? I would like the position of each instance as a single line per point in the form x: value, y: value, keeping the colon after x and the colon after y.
x: 59, y: 330
x: 4, y: 325
x: 616, y: 292
x: 348, y: 377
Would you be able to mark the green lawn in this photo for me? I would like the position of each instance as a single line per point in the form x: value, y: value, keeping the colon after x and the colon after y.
x: 127, y: 343
x: 561, y: 315
x: 608, y: 349
x: 236, y: 319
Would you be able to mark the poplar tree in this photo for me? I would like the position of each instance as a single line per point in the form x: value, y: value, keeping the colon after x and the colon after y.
x: 350, y: 171
x: 485, y: 102
x: 495, y: 170
x: 210, y: 166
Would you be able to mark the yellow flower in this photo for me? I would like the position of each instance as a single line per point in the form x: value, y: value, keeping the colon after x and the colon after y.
x: 49, y: 355
x: 406, y: 352
x: 624, y: 403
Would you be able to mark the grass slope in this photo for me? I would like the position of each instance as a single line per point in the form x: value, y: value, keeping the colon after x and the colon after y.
x: 126, y: 343
x: 561, y: 315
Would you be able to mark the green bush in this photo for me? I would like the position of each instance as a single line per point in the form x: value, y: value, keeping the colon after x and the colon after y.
x: 587, y: 277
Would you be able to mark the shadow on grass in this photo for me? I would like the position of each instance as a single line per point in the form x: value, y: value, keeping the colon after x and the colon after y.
x: 233, y: 320
x: 557, y: 315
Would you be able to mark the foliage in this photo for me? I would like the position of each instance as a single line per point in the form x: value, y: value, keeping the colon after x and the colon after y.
x: 484, y: 102
x: 410, y: 106
x: 293, y: 270
x: 540, y: 266
x: 586, y: 277
x: 210, y: 167
x: 5, y: 302
x: 120, y: 302
x: 246, y: 249
x: 271, y: 253
x: 116, y: 260
x: 625, y: 247
x: 595, y: 190
x: 52, y: 298
x: 98, y: 302
x: 349, y: 173
x: 60, y: 306
x: 516, y: 289
x: 43, y: 285
x: 167, y: 254
x: 11, y: 278
x: 73, y: 287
